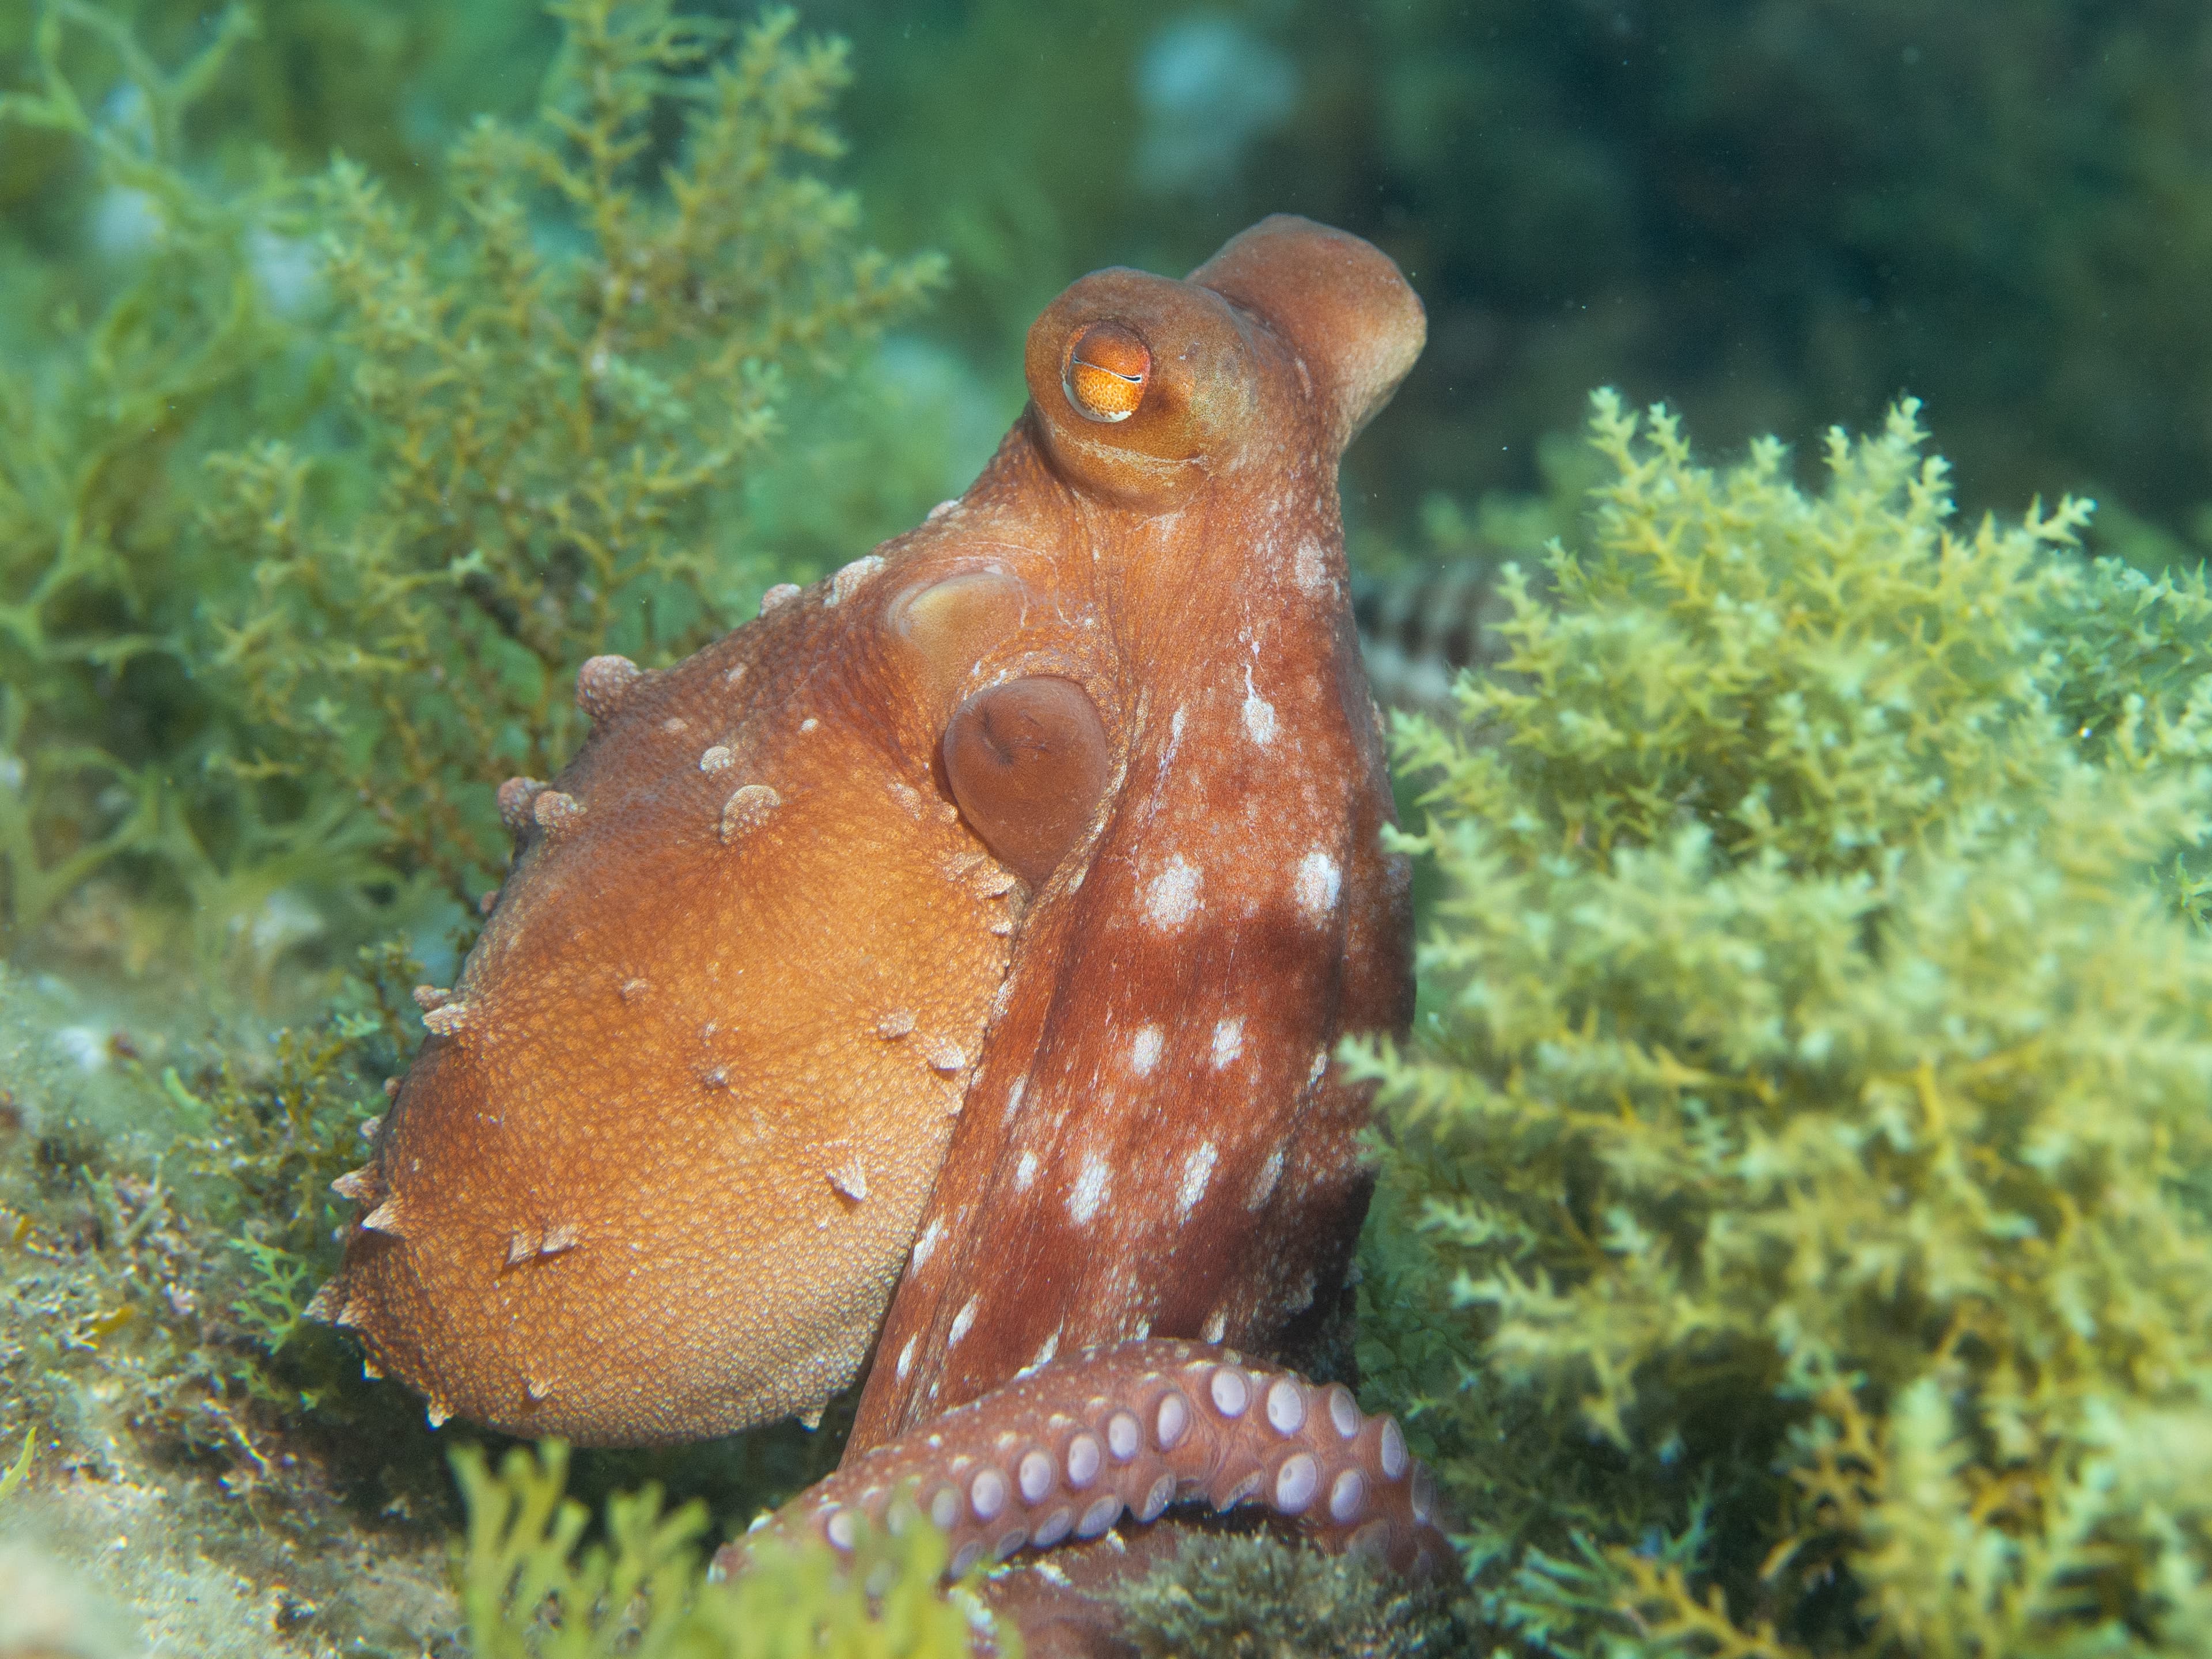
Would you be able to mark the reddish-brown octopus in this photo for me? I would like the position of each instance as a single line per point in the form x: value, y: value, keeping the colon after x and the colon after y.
x: 946, y: 965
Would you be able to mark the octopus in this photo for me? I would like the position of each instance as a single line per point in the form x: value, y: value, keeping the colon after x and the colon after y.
x: 943, y: 970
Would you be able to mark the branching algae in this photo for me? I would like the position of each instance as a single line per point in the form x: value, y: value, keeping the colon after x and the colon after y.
x: 549, y: 434
x: 1800, y: 1165
x: 531, y: 1587
x: 308, y: 512
x: 306, y: 530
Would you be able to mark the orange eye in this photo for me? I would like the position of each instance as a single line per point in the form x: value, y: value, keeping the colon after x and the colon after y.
x: 1107, y: 368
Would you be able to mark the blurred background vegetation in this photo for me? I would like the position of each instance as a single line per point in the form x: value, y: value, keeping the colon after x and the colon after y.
x: 366, y: 365
x: 1776, y: 215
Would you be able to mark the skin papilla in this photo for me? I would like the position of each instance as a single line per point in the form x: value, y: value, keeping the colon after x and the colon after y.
x: 946, y: 963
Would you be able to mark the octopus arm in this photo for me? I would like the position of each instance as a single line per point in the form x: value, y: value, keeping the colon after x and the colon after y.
x: 1121, y: 1434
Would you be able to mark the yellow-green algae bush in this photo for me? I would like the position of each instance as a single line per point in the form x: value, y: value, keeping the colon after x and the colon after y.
x: 532, y: 1589
x: 311, y: 503
x: 554, y: 436
x: 1797, y: 1239
x: 315, y: 496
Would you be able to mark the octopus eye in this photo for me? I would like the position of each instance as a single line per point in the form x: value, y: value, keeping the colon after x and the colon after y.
x: 1107, y: 369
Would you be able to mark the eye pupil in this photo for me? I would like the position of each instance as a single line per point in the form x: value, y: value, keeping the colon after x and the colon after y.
x: 1107, y: 368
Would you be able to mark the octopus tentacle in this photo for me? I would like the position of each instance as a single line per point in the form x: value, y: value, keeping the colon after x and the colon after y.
x: 1066, y: 1451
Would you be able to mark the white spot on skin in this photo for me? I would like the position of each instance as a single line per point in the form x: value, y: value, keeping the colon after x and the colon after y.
x: 927, y: 1243
x: 1171, y: 898
x: 1090, y: 1190
x: 961, y: 1321
x: 1025, y: 1170
x: 1197, y: 1172
x: 717, y: 759
x: 1259, y: 714
x: 1263, y: 1185
x: 781, y: 593
x: 1051, y: 1348
x: 1214, y: 1326
x: 906, y: 1358
x: 1014, y: 1098
x: 1168, y: 755
x: 1310, y: 567
x: 1144, y: 1051
x: 1317, y: 884
x: 1228, y: 1042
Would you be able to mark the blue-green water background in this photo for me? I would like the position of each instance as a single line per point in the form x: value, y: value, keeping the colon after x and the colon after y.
x: 1774, y: 214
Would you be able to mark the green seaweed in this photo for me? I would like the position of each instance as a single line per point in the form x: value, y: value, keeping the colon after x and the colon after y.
x: 93, y: 581
x: 1804, y: 1135
x: 550, y: 435
x: 318, y: 508
x: 1253, y: 1597
x: 529, y: 1589
x: 12, y: 1476
x: 165, y: 1238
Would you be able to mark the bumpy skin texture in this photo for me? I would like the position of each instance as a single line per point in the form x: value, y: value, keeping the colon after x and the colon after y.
x: 975, y: 925
x: 658, y: 1168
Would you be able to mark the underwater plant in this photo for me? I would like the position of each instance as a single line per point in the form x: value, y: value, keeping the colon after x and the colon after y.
x: 110, y: 391
x: 1796, y: 1224
x: 553, y: 437
x: 313, y: 516
x: 528, y: 1590
x: 1249, y: 1596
